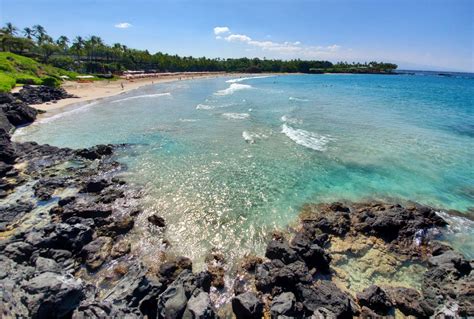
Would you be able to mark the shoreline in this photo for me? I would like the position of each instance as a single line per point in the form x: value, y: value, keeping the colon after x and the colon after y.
x: 71, y: 237
x: 97, y: 90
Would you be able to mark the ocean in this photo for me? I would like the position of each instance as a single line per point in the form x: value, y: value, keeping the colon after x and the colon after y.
x: 226, y: 161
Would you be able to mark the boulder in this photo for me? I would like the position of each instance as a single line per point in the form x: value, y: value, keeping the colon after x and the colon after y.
x: 97, y: 252
x: 157, y: 220
x: 199, y: 307
x: 95, y: 152
x: 7, y: 151
x: 51, y: 295
x: 279, y: 249
x: 283, y: 305
x: 325, y: 295
x: 410, y: 302
x: 375, y: 298
x: 95, y: 186
x: 247, y: 306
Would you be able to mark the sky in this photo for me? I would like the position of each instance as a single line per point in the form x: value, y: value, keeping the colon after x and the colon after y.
x: 415, y: 34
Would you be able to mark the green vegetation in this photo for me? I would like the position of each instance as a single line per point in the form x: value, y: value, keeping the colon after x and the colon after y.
x: 31, y: 55
x: 19, y: 69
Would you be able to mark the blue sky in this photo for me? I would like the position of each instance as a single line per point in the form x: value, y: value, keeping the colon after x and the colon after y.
x: 415, y: 34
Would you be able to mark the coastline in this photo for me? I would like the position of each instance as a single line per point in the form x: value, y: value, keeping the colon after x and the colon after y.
x: 91, y: 91
x: 80, y: 250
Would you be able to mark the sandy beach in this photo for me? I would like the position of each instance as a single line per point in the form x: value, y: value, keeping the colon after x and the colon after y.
x: 89, y: 91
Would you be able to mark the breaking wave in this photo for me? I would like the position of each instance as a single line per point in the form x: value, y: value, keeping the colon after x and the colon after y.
x: 248, y: 78
x: 304, y: 138
x: 236, y: 116
x: 64, y: 114
x: 291, y: 120
x: 251, y: 137
x: 297, y: 99
x: 234, y: 87
x: 142, y: 96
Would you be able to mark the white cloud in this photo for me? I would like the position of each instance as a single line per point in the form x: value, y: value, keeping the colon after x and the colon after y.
x: 221, y: 30
x: 283, y: 48
x: 238, y: 38
x: 123, y: 25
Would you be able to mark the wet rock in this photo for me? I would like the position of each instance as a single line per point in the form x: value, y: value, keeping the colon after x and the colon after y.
x: 280, y: 250
x: 7, y: 151
x: 410, y: 302
x: 95, y: 186
x: 62, y: 236
x: 85, y: 210
x: 157, y: 220
x: 375, y: 298
x: 97, y: 252
x: 325, y: 295
x: 199, y: 307
x: 247, y: 306
x: 95, y: 152
x: 332, y: 219
x: 118, y: 226
x: 52, y: 295
x: 283, y: 305
x: 120, y: 249
x: 277, y: 277
x: 172, y: 302
x: 317, y: 257
x: 12, y: 212
x: 251, y: 262
x: 66, y: 200
x: 45, y: 188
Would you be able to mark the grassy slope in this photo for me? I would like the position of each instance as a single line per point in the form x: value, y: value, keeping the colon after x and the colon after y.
x: 19, y: 69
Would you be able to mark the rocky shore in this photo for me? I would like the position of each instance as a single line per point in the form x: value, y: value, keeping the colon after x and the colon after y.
x: 65, y: 217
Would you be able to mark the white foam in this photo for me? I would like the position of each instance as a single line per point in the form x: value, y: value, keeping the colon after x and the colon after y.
x: 251, y: 137
x: 307, y: 139
x: 65, y: 114
x: 248, y: 78
x: 188, y: 120
x: 234, y: 87
x: 291, y: 120
x: 211, y: 107
x: 297, y: 99
x: 204, y: 107
x: 236, y: 116
x: 142, y: 96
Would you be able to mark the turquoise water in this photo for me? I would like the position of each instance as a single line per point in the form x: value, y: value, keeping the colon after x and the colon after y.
x: 227, y: 160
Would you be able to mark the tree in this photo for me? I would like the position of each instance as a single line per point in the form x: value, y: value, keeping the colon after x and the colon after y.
x: 63, y: 42
x: 40, y: 34
x: 10, y: 29
x: 28, y: 33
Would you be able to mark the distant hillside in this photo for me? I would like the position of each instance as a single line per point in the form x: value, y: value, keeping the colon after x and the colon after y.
x: 17, y: 69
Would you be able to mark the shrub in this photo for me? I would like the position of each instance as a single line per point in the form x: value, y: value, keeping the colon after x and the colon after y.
x: 6, y: 83
x: 28, y: 80
x: 50, y: 81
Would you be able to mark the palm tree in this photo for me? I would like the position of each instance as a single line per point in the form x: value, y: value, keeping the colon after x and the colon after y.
x: 77, y: 46
x: 62, y: 42
x: 10, y: 29
x: 29, y: 33
x: 40, y: 33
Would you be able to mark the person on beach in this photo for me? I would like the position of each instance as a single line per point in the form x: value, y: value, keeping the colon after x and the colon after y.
x: 121, y: 84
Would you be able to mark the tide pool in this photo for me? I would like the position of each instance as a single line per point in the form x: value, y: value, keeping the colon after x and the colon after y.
x: 227, y: 160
